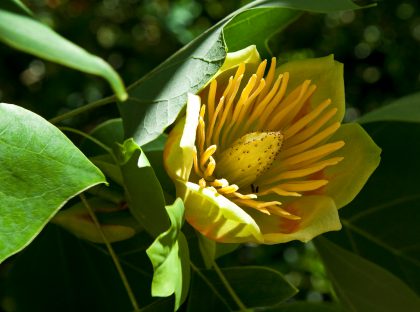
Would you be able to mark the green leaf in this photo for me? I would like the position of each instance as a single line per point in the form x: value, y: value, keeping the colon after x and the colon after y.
x: 262, y: 23
x: 170, y: 258
x: 157, y: 99
x: 381, y: 223
x: 207, y: 287
x: 362, y: 285
x: 23, y: 32
x: 41, y: 170
x: 59, y: 272
x: 406, y: 109
x: 144, y: 193
x: 107, y: 165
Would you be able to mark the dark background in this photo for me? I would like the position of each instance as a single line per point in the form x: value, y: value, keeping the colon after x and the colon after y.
x: 380, y: 48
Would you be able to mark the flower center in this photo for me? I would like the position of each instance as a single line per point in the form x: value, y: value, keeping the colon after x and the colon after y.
x: 235, y: 155
x: 248, y: 157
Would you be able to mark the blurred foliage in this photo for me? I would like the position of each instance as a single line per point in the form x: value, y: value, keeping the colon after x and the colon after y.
x: 379, y: 47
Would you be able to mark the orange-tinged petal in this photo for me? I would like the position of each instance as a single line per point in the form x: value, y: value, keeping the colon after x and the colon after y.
x: 216, y: 217
x: 361, y: 158
x: 326, y: 74
x: 318, y: 215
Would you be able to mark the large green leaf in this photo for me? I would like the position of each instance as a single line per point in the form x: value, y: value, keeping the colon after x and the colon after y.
x: 406, y: 109
x: 40, y: 170
x: 363, y: 286
x: 21, y: 31
x: 381, y: 223
x: 144, y: 193
x: 255, y: 286
x: 170, y: 258
x: 156, y: 99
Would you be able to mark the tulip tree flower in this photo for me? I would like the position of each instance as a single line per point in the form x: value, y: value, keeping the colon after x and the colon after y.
x: 261, y: 155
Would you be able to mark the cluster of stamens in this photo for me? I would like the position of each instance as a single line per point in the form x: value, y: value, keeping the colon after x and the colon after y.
x: 205, y: 165
x: 230, y: 131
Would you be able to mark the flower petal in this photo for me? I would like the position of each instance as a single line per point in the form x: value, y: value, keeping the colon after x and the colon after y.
x: 216, y: 217
x: 179, y: 148
x: 318, y: 215
x: 248, y: 55
x: 326, y: 74
x: 361, y: 158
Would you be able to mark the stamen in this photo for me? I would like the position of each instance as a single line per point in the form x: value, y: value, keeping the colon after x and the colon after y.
x: 312, y: 129
x: 228, y: 189
x: 206, y: 155
x: 238, y: 121
x: 300, y: 173
x: 210, y: 167
x: 261, y: 69
x: 268, y: 79
x: 268, y: 208
x: 312, y: 141
x: 202, y: 183
x: 303, y: 186
x: 267, y: 111
x: 211, y: 99
x: 244, y: 96
x: 219, y: 183
x: 279, y: 191
x: 213, y: 121
x: 283, y: 213
x: 321, y: 151
x: 291, y: 103
x: 226, y: 110
x: 247, y: 196
x: 195, y: 161
x: 256, y: 204
x: 261, y: 106
x: 201, y: 129
x: 306, y: 119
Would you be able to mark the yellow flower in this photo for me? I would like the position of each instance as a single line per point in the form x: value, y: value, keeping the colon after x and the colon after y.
x: 264, y: 158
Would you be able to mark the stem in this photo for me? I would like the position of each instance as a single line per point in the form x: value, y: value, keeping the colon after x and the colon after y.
x: 89, y: 137
x: 229, y: 288
x: 84, y: 108
x: 112, y: 254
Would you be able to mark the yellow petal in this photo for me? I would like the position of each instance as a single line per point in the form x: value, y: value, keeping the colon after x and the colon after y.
x: 361, y: 157
x: 248, y: 55
x: 318, y: 215
x: 326, y: 74
x: 216, y: 217
x: 180, y: 146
